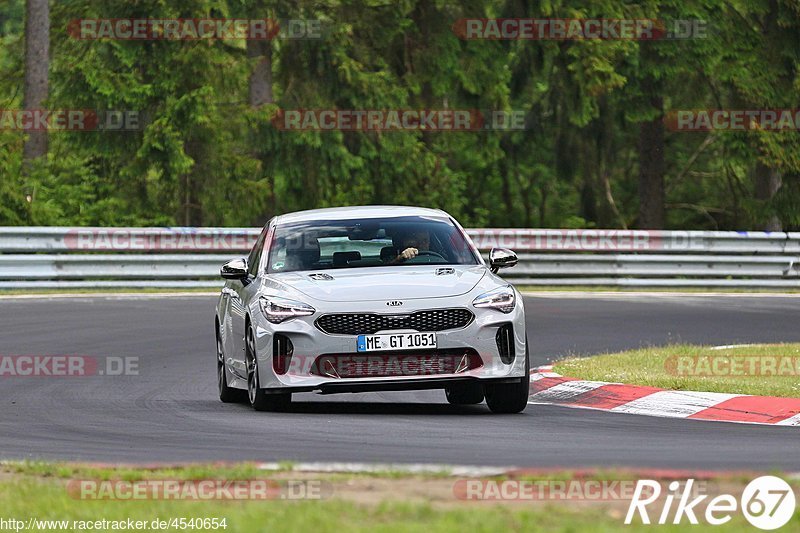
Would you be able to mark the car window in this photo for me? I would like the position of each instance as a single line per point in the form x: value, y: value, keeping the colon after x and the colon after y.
x: 254, y: 258
x: 328, y: 246
x: 371, y: 242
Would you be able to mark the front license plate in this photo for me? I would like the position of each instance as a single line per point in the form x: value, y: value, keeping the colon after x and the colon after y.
x: 395, y: 341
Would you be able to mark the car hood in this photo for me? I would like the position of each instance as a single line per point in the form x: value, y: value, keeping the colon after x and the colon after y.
x: 384, y: 283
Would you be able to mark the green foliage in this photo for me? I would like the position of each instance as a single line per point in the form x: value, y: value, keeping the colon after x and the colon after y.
x: 204, y: 156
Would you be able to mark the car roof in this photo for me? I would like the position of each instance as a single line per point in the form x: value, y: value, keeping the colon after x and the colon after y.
x: 359, y: 211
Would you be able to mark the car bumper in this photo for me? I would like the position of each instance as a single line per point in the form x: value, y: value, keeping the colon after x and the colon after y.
x: 301, y: 372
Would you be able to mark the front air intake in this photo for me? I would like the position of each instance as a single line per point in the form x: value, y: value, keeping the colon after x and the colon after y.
x: 505, y: 343
x: 282, y: 350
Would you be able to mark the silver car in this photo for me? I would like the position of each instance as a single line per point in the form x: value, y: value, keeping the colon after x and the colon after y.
x: 375, y: 298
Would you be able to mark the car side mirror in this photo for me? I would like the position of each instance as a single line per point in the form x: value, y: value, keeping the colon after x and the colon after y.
x: 234, y: 269
x: 501, y: 258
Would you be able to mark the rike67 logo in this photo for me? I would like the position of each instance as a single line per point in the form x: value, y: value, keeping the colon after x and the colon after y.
x: 767, y: 502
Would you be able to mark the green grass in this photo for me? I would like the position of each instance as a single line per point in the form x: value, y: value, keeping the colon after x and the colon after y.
x: 194, y: 471
x: 25, y: 497
x: 656, y: 367
x: 284, y: 469
x: 129, y: 473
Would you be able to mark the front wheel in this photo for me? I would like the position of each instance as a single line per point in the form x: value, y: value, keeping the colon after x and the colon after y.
x: 259, y: 399
x: 510, y: 397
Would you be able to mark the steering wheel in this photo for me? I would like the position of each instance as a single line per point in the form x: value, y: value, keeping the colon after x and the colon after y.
x: 433, y: 256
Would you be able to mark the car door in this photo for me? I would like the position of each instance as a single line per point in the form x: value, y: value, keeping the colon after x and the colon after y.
x: 240, y: 294
x: 225, y: 330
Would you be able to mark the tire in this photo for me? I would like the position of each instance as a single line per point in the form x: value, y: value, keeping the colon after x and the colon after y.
x: 464, y: 394
x: 226, y: 394
x: 510, y: 397
x: 258, y: 397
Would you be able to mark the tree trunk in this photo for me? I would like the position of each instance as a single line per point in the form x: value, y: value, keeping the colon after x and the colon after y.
x: 260, y: 93
x: 651, y: 170
x: 260, y: 52
x: 651, y: 145
x: 543, y: 205
x: 588, y: 199
x: 193, y: 184
x: 767, y: 182
x: 37, y: 60
x: 508, y: 198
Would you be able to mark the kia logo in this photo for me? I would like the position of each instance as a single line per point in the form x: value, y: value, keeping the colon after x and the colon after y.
x: 394, y: 303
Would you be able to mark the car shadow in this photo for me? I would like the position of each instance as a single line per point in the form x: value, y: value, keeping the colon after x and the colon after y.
x: 357, y: 408
x: 384, y: 408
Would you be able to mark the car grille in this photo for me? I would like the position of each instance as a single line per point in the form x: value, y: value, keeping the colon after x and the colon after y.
x: 368, y: 323
x: 430, y: 363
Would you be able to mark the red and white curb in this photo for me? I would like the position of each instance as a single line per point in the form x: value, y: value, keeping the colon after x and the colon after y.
x: 550, y: 388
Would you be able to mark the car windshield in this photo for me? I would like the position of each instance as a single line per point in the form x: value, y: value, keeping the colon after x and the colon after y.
x: 368, y: 242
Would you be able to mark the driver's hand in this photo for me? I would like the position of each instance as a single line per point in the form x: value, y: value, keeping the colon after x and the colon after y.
x: 408, y: 253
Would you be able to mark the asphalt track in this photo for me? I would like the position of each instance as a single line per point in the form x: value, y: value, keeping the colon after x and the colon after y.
x: 169, y: 412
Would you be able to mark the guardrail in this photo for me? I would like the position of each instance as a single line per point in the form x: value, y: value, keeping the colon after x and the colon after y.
x: 54, y: 257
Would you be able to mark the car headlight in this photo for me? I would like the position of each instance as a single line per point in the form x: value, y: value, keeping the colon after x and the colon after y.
x: 503, y: 299
x: 277, y: 310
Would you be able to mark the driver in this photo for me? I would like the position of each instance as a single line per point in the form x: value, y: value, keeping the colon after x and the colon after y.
x: 411, y: 244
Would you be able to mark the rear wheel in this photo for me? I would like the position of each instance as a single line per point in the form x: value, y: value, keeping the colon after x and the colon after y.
x: 259, y: 399
x: 226, y: 394
x: 464, y: 393
x: 510, y: 397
